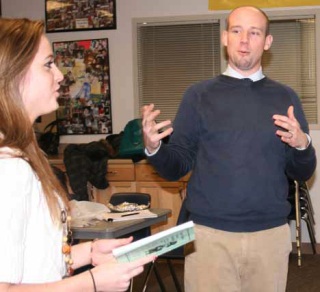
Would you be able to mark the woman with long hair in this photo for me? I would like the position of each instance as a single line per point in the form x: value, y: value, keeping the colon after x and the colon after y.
x: 36, y: 250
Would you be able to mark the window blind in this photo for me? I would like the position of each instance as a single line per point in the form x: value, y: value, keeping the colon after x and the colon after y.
x: 292, y: 60
x: 171, y: 58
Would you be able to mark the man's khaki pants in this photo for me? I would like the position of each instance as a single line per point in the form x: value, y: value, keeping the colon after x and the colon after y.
x: 238, y: 262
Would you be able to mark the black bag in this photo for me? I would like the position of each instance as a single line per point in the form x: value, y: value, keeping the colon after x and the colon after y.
x: 131, y: 144
x: 114, y: 140
x: 49, y: 140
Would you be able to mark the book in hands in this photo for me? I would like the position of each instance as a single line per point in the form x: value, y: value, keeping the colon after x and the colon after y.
x: 156, y: 244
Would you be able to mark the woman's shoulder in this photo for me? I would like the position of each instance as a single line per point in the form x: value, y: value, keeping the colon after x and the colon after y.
x: 18, y: 180
x: 12, y: 164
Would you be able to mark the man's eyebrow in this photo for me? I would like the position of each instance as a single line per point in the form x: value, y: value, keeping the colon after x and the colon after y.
x: 258, y: 28
x: 235, y: 26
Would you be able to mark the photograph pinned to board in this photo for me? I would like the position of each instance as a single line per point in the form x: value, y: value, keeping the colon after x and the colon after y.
x: 84, y: 101
x: 71, y: 15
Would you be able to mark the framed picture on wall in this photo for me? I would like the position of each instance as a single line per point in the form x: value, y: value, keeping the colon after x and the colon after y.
x: 75, y: 15
x: 84, y: 101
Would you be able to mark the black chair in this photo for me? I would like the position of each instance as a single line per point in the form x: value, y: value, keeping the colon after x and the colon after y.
x: 130, y: 197
x: 141, y: 199
x: 169, y: 257
x: 137, y: 198
x: 304, y: 192
x: 301, y: 209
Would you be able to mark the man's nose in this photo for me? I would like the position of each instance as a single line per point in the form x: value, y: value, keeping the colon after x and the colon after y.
x: 244, y: 36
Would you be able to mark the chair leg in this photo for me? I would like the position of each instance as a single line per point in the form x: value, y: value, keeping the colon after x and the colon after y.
x: 155, y: 269
x: 174, y: 276
x: 298, y: 223
x: 145, y: 284
x: 311, y: 234
x: 131, y: 285
x: 152, y: 267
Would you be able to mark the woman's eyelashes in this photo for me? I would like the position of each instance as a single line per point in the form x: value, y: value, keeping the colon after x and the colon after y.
x: 49, y: 64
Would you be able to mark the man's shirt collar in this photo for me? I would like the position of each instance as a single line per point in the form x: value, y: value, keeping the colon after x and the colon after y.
x: 254, y: 77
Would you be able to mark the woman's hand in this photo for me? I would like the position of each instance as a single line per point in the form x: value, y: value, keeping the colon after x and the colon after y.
x: 113, y: 276
x: 101, y: 250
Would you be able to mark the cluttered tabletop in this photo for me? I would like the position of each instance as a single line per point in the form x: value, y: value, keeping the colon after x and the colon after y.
x: 116, y: 228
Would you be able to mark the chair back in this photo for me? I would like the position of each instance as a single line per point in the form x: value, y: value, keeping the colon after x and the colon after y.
x: 130, y: 197
x: 137, y: 198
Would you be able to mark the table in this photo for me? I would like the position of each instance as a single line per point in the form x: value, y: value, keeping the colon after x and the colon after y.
x: 104, y: 229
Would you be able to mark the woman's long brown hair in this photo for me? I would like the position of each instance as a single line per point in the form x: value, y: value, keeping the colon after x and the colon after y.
x: 19, y: 43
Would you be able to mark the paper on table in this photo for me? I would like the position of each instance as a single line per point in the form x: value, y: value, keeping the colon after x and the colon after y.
x: 129, y: 215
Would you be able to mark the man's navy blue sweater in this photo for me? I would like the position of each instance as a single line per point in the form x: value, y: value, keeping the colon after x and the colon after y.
x: 224, y: 133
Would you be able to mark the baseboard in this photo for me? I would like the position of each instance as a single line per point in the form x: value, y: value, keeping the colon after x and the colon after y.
x: 306, y: 248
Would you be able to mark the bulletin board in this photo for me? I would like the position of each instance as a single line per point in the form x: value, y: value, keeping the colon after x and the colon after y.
x: 230, y: 4
x: 71, y: 15
x: 84, y: 101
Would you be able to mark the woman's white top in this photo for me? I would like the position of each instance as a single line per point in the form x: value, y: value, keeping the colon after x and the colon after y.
x: 30, y: 243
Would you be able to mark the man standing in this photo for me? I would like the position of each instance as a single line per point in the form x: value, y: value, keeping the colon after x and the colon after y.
x: 242, y: 135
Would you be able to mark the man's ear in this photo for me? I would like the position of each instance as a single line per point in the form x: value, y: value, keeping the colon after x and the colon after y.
x: 268, y: 42
x: 224, y: 38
